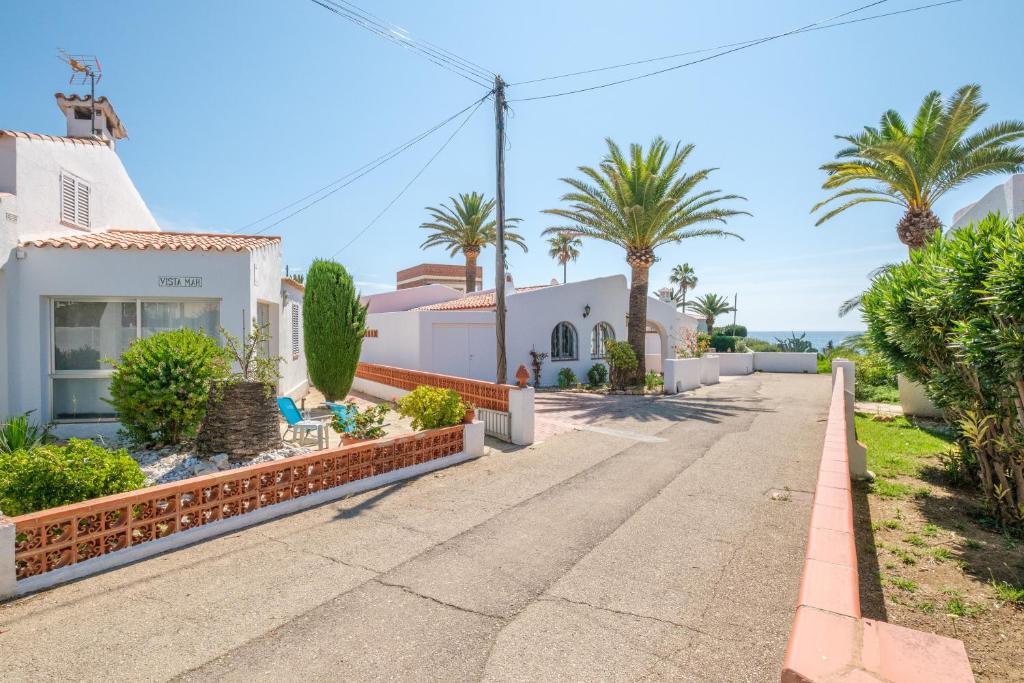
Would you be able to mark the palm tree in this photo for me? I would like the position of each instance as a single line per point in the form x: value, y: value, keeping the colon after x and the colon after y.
x: 565, y: 248
x: 913, y: 167
x: 467, y: 226
x: 853, y: 303
x: 710, y: 306
x: 641, y: 202
x: 686, y: 279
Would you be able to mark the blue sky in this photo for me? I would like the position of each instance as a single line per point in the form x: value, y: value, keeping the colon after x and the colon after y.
x: 237, y: 109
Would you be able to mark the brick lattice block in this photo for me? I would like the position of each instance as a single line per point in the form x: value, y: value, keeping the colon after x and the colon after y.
x: 59, y: 537
x: 488, y: 395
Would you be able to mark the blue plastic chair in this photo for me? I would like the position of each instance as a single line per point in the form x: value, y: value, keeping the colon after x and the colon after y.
x: 299, y: 425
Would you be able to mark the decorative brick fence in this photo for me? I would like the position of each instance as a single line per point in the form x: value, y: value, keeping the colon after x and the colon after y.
x: 507, y: 410
x: 44, y: 548
x: 830, y: 641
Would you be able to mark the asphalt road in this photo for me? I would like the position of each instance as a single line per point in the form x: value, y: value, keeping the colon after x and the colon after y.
x: 644, y: 545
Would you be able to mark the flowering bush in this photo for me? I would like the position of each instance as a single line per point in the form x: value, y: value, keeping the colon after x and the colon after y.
x: 693, y: 344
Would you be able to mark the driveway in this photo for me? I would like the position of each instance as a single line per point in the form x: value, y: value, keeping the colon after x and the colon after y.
x: 645, y: 547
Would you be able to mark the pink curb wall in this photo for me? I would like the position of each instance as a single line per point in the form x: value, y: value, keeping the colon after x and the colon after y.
x: 830, y: 642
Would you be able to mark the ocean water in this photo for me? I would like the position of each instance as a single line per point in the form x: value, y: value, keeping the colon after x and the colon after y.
x: 819, y: 339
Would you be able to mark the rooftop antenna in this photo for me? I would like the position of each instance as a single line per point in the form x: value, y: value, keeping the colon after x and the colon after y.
x: 84, y: 69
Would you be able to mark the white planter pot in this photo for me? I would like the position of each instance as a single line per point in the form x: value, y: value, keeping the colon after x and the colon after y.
x: 681, y: 374
x: 914, y: 401
x: 709, y: 368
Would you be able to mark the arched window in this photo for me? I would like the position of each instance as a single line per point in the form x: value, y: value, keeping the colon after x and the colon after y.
x: 563, y: 342
x: 602, y: 334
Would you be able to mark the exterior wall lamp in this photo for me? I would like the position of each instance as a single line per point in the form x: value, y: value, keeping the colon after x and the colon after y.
x: 586, y: 310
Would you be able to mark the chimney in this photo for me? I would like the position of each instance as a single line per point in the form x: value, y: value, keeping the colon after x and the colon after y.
x: 508, y: 282
x: 78, y: 110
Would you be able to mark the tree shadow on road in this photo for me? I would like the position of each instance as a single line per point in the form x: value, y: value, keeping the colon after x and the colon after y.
x: 592, y: 408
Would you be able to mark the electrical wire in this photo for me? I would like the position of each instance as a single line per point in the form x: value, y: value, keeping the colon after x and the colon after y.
x: 400, y: 37
x: 482, y: 70
x: 735, y: 47
x: 413, y: 180
x: 356, y: 174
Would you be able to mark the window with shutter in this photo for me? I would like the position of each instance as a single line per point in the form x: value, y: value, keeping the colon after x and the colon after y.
x: 295, y: 331
x: 74, y: 201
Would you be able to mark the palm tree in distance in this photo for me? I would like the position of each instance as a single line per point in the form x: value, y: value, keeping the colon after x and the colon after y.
x: 684, y: 277
x: 466, y: 226
x: 710, y: 306
x: 564, y: 248
x: 913, y: 167
x: 640, y: 201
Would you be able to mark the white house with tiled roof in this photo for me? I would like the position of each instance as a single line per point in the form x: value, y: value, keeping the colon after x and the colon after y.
x: 436, y: 329
x: 85, y: 270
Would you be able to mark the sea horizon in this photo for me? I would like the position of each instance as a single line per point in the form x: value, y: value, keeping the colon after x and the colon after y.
x: 819, y: 338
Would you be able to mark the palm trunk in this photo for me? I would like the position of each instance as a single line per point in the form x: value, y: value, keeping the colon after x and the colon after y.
x: 565, y: 271
x: 471, y: 271
x: 636, y: 328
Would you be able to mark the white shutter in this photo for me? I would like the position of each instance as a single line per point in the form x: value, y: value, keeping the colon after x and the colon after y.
x: 74, y: 201
x: 67, y: 198
x: 295, y: 331
x: 83, y: 204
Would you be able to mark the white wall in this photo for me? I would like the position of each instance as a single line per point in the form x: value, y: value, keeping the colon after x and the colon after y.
x: 294, y: 373
x: 50, y: 272
x: 1006, y: 198
x: 113, y: 200
x: 785, y: 361
x: 735, y: 363
x: 405, y: 299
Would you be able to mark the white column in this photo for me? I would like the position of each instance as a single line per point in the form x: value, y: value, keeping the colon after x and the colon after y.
x: 671, y: 381
x: 857, y: 454
x: 521, y: 415
x: 473, y: 438
x: 7, y: 575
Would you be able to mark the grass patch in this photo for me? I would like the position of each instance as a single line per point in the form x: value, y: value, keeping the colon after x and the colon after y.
x: 903, y: 584
x: 892, y: 524
x: 914, y: 539
x: 1007, y: 592
x: 958, y: 607
x: 895, y: 446
x: 877, y: 394
x: 929, y: 530
x: 941, y: 554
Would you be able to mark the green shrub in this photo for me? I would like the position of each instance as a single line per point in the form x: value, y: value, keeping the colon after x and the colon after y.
x: 161, y: 384
x: 622, y: 363
x: 597, y: 374
x: 723, y: 343
x: 732, y: 330
x: 433, y: 407
x: 950, y: 319
x: 19, y: 433
x: 653, y: 380
x: 333, y: 323
x: 566, y: 378
x: 752, y: 344
x: 53, y: 475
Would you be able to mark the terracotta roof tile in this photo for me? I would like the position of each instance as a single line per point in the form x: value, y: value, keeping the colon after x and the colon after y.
x: 173, y: 241
x: 482, y: 301
x: 54, y: 138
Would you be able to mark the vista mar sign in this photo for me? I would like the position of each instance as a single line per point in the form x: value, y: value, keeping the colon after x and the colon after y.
x: 180, y: 281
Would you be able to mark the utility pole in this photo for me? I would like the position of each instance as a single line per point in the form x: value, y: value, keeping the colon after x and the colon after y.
x: 735, y: 301
x: 499, y: 245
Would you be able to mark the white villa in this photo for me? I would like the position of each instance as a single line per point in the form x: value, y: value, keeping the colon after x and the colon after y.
x: 438, y: 329
x: 1006, y: 199
x: 85, y: 269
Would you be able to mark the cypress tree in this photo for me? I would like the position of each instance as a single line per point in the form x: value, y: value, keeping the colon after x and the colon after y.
x: 333, y: 323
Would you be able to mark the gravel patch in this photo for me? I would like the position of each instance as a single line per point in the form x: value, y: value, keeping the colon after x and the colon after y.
x: 181, y: 462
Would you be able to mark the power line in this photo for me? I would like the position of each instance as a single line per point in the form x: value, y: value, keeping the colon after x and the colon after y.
x: 735, y: 47
x: 483, y: 71
x: 399, y: 36
x: 727, y: 45
x: 413, y: 180
x: 355, y: 175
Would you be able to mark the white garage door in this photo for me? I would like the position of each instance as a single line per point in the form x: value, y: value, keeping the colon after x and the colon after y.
x: 464, y: 351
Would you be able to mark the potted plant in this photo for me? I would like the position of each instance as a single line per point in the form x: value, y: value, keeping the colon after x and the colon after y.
x: 360, y: 425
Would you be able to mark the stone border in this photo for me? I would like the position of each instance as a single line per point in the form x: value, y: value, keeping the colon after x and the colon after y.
x: 830, y: 642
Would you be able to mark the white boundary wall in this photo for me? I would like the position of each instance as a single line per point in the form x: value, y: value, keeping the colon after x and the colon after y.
x: 735, y: 363
x: 473, y: 445
x: 784, y: 361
